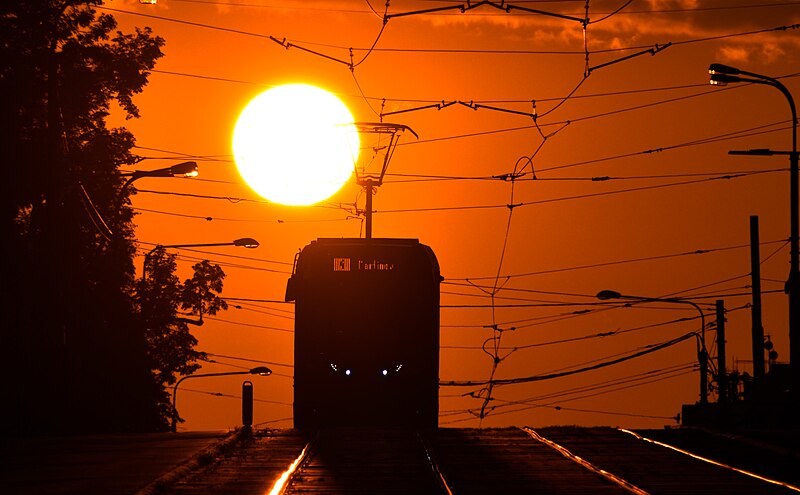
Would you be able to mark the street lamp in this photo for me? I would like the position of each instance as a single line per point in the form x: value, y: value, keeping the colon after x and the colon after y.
x: 245, y: 242
x: 259, y: 370
x: 702, y: 354
x: 723, y: 74
x: 184, y: 169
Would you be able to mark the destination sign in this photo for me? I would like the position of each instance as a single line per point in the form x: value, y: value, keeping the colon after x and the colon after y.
x: 362, y: 265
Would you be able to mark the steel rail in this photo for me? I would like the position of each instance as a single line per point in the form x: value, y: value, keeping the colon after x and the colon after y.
x: 711, y: 461
x: 626, y: 485
x: 434, y: 465
x: 285, y: 479
x: 284, y: 483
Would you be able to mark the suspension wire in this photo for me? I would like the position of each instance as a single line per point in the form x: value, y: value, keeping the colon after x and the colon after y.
x: 595, y: 387
x: 558, y: 407
x: 497, y: 332
x: 612, y: 14
x: 535, y: 378
x: 385, y: 20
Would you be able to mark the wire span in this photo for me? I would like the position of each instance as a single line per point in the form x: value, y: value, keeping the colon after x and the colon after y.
x: 535, y: 378
x: 652, y: 51
x: 500, y: 6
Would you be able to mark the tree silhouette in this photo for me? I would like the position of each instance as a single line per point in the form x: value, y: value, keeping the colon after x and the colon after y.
x: 170, y: 345
x: 75, y: 350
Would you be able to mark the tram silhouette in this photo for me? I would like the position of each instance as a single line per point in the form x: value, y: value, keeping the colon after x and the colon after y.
x: 366, y: 347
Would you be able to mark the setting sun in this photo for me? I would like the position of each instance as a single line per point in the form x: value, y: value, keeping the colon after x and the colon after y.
x: 295, y: 144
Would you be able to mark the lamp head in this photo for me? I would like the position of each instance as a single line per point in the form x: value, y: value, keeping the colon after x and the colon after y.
x: 718, y: 79
x: 185, y: 169
x: 261, y: 370
x: 753, y: 152
x: 723, y: 69
x: 604, y: 295
x: 247, y: 242
x: 723, y: 74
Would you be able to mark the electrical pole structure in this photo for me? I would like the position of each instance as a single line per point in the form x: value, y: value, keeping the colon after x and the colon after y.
x: 757, y: 325
x: 370, y: 175
x: 721, y: 75
x: 702, y: 352
x: 369, y: 189
x: 722, y: 370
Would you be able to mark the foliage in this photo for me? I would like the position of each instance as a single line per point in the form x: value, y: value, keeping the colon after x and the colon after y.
x: 66, y: 222
x: 200, y: 293
x: 61, y: 71
x: 160, y: 295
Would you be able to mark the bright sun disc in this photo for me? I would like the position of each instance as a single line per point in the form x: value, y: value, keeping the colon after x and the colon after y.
x: 295, y: 144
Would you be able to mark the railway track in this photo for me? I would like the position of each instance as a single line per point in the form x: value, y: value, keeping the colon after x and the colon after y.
x: 381, y: 461
x: 548, y: 461
x: 359, y: 460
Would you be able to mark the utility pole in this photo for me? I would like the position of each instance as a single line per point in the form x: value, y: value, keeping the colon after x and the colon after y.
x: 722, y: 371
x: 757, y: 325
x: 369, y: 190
x: 724, y: 74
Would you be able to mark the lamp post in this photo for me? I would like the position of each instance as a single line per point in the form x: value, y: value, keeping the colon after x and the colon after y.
x: 723, y: 74
x: 245, y: 242
x: 702, y: 354
x: 259, y: 370
x: 184, y: 169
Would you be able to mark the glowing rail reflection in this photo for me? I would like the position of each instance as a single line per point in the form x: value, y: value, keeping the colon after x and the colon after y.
x: 711, y: 461
x: 586, y: 464
x: 282, y: 482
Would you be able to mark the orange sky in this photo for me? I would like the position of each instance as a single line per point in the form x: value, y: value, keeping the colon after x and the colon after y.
x: 648, y: 121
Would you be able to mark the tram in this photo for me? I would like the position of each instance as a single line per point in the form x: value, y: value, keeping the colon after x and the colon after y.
x: 366, y: 348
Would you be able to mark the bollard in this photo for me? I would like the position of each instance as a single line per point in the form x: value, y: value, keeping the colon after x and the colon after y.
x: 247, y: 403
